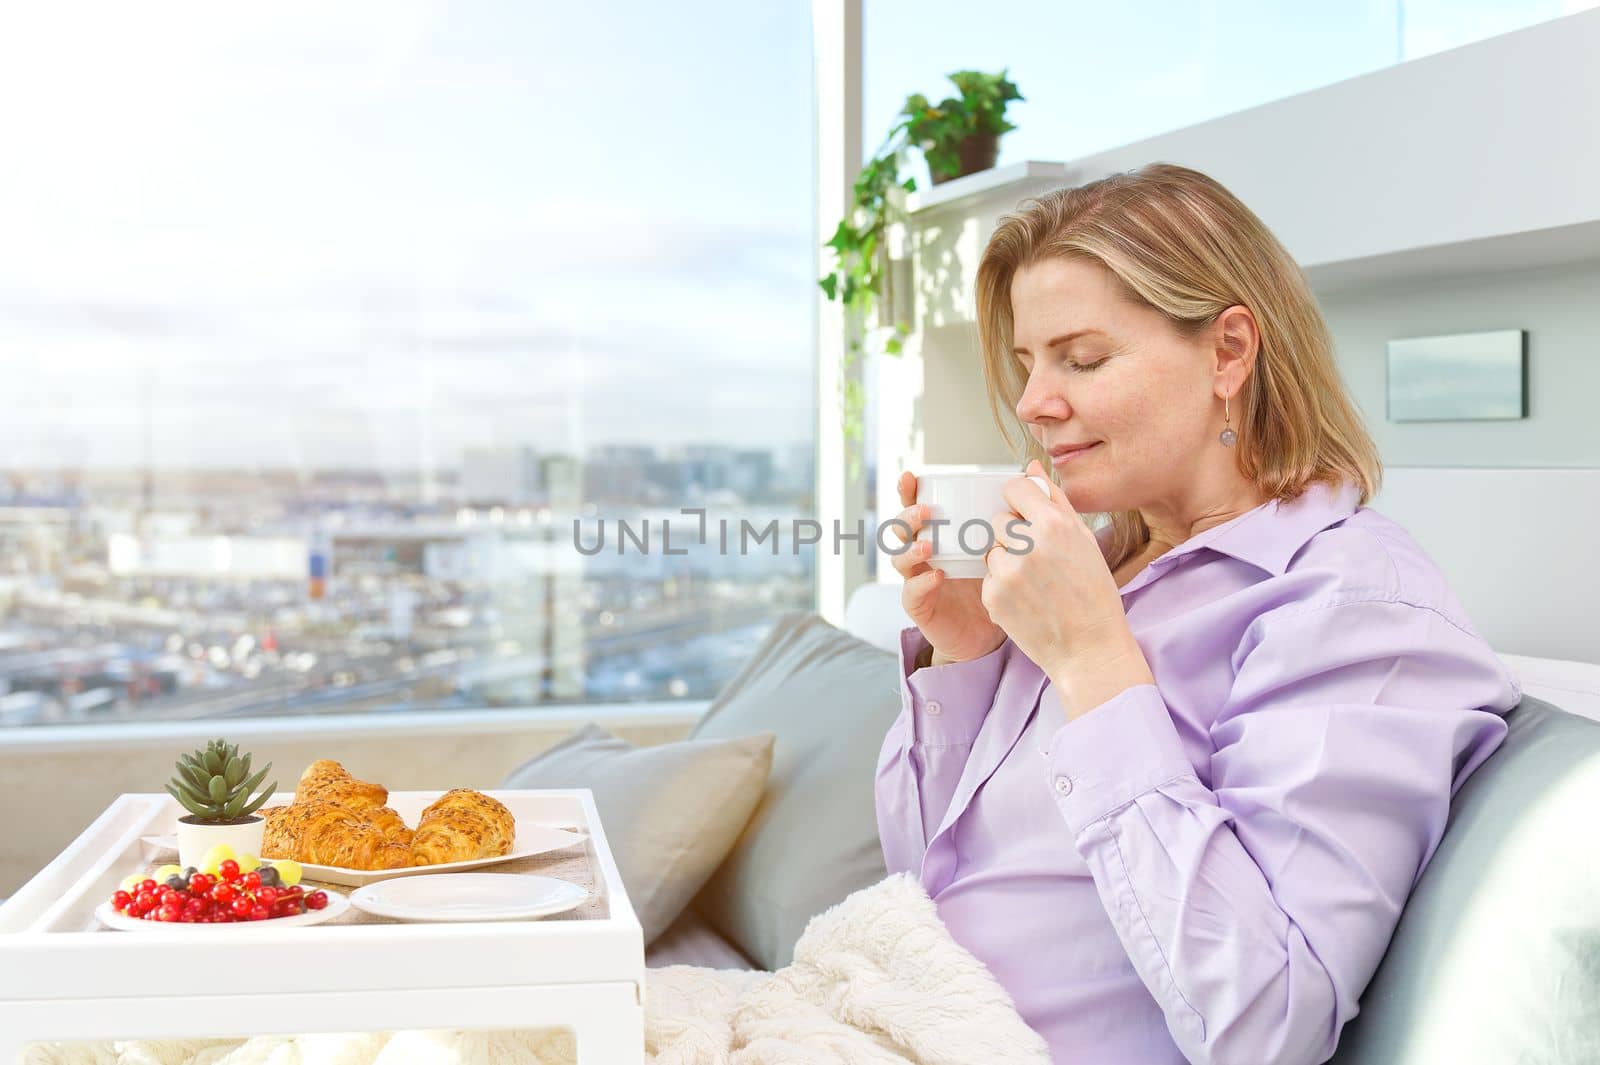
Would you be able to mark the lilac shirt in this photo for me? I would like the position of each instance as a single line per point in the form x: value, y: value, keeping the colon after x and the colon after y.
x: 1207, y: 868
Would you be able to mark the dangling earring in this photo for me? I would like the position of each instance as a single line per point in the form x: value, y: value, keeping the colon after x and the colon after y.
x: 1228, y: 436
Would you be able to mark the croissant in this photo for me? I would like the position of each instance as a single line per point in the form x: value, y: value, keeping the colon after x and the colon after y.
x: 386, y: 820
x: 456, y: 834
x: 330, y: 781
x: 492, y: 810
x: 321, y: 771
x: 323, y: 833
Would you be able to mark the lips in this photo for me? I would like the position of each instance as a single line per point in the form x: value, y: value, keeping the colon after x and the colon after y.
x: 1070, y: 449
x: 1065, y: 454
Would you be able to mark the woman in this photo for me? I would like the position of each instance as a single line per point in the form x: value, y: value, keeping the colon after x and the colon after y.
x: 1173, y: 781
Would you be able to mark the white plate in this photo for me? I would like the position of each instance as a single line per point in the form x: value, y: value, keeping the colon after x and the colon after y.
x: 469, y: 897
x: 531, y: 839
x: 108, y: 916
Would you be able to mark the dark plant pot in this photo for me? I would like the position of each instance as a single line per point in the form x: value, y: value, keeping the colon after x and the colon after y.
x: 977, y: 152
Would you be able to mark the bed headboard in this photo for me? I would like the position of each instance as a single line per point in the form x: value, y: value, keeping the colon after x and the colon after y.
x: 1518, y: 545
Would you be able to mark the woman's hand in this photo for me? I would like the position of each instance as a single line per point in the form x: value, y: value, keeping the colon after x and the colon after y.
x: 949, y: 613
x: 1057, y: 600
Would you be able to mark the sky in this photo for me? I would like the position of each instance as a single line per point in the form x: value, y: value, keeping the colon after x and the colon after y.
x: 375, y: 234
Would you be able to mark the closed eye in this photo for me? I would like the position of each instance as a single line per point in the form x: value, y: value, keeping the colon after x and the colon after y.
x: 1085, y: 367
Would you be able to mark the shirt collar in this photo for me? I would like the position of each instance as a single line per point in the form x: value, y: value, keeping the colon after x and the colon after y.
x: 1269, y: 535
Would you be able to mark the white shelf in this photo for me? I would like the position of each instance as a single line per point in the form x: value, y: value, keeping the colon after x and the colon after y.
x: 1015, y: 180
x: 1485, y: 255
x: 1004, y: 187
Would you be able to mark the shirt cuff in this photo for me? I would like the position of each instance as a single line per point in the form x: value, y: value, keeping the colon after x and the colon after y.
x: 947, y: 704
x: 1113, y: 754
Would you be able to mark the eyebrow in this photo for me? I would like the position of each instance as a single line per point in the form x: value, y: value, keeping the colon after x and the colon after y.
x: 1062, y: 339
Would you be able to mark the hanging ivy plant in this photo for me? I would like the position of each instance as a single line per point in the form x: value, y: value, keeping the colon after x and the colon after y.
x: 958, y: 136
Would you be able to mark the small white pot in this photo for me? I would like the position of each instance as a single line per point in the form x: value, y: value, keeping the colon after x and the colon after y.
x: 195, y: 838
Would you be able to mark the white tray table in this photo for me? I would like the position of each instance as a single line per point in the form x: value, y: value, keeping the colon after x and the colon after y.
x: 64, y: 976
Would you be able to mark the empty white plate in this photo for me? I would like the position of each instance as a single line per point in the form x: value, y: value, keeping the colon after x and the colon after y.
x: 468, y: 897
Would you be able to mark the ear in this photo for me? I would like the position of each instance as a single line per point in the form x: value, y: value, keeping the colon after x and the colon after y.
x: 1236, y: 341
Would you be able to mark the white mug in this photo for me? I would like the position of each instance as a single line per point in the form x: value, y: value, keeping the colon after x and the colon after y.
x: 966, y: 498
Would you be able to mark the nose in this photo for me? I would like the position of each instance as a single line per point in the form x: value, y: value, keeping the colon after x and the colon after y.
x: 1041, y: 400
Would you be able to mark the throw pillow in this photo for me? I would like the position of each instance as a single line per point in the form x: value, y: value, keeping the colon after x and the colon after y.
x: 670, y: 812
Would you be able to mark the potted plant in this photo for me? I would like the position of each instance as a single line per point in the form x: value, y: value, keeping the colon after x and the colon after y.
x: 215, y: 785
x: 959, y: 136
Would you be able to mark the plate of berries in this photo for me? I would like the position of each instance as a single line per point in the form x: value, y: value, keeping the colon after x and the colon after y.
x: 267, y: 895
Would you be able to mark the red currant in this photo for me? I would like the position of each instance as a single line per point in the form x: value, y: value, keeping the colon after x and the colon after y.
x: 241, y: 907
x: 148, y: 885
x: 169, y: 913
x: 224, y: 893
x: 229, y: 870
x: 259, y: 912
x: 120, y: 901
x: 317, y: 900
x: 200, y: 883
x: 252, y: 880
x: 267, y: 896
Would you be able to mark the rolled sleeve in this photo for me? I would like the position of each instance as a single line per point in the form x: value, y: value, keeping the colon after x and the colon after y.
x: 947, y: 703
x: 1113, y: 754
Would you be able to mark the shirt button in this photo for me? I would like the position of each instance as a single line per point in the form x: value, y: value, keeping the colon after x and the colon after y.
x: 932, y: 707
x: 1064, y: 785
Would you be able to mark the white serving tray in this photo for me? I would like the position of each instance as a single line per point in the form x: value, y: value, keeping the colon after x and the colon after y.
x: 532, y: 839
x: 54, y: 950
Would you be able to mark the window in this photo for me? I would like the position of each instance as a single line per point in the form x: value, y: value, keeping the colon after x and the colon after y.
x: 324, y: 326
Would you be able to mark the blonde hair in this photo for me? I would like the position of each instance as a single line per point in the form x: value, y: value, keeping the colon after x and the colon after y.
x: 1185, y: 246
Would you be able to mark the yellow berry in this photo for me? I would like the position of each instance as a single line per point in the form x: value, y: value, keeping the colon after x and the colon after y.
x: 132, y: 882
x: 214, y: 858
x: 160, y: 875
x: 248, y: 862
x: 289, y: 872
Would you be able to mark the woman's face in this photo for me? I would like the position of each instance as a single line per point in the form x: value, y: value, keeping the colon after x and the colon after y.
x: 1121, y: 378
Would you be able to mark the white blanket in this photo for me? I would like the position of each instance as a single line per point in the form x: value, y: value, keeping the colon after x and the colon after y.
x: 876, y: 980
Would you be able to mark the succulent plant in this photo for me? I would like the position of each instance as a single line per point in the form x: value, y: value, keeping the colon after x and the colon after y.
x: 215, y: 783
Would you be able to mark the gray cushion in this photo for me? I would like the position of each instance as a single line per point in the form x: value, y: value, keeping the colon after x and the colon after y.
x: 830, y: 699
x: 670, y: 812
x: 1496, y: 958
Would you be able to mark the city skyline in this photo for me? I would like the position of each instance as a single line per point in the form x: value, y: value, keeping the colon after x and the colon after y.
x: 594, y: 450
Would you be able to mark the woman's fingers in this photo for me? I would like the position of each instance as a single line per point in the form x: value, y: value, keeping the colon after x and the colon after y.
x: 912, y: 517
x: 908, y: 488
x: 919, y: 591
x: 913, y: 560
x: 904, y: 525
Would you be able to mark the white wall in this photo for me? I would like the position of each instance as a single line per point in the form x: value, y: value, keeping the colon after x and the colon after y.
x: 1559, y: 306
x: 1493, y: 138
